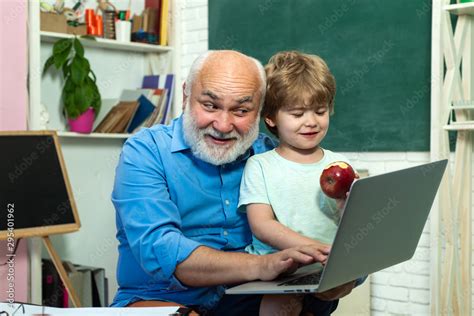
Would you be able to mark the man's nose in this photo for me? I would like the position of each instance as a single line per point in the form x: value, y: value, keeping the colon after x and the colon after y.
x: 224, y: 123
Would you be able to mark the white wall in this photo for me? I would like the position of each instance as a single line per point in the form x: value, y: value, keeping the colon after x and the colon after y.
x: 402, y: 289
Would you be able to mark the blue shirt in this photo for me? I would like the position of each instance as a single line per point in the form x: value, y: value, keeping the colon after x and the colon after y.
x: 167, y: 204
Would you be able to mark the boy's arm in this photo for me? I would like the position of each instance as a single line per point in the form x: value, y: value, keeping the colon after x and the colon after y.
x: 268, y: 230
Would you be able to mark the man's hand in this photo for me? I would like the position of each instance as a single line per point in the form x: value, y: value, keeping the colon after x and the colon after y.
x: 287, y: 261
x: 337, y: 292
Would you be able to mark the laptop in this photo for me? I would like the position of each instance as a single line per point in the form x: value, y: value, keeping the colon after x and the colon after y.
x: 381, y: 225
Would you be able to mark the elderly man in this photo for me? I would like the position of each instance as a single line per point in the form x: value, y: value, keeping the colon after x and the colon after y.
x: 181, y: 237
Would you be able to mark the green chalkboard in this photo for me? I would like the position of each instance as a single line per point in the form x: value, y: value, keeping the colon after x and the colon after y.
x: 379, y: 52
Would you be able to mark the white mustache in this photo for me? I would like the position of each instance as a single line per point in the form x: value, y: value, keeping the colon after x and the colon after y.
x: 216, y: 134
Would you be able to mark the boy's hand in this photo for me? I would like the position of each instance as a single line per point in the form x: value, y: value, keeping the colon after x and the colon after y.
x: 321, y: 251
x: 340, y: 203
x: 289, y: 260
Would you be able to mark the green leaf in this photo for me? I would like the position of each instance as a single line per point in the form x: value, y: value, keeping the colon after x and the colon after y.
x: 78, y: 47
x: 61, y: 46
x: 66, y: 70
x: 96, y: 98
x: 69, y: 86
x: 78, y: 71
x: 68, y: 100
x: 88, y: 93
x: 80, y: 101
x: 48, y: 64
x: 60, y: 59
x: 85, y: 64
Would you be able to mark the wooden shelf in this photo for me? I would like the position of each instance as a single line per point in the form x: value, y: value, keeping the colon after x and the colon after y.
x: 51, y: 37
x: 94, y: 135
x: 461, y: 8
x: 459, y: 127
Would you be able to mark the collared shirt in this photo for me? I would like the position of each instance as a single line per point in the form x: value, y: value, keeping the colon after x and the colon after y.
x: 168, y: 203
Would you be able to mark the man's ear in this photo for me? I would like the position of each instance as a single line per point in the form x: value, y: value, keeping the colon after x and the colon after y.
x: 185, y: 97
x: 269, y: 121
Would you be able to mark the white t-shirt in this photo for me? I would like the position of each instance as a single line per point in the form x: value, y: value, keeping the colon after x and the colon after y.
x: 293, y: 191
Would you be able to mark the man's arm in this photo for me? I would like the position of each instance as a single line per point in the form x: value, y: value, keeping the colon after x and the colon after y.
x: 208, y: 267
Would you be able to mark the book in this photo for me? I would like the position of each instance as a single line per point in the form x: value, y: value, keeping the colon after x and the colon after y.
x: 52, y: 288
x: 155, y: 5
x: 164, y: 22
x: 145, y: 108
x: 129, y: 95
x: 81, y: 280
x: 160, y: 94
x: 161, y: 82
x: 118, y: 119
x: 90, y: 284
x: 161, y: 113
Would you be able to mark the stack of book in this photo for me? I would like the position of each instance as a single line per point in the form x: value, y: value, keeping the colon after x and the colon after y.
x: 90, y: 284
x: 140, y: 108
x: 152, y: 25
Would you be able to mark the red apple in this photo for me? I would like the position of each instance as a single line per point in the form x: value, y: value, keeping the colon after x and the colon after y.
x: 336, y: 179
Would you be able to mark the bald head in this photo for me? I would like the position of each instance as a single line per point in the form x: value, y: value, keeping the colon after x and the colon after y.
x: 226, y: 64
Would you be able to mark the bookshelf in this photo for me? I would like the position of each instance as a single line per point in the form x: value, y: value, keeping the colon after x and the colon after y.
x: 91, y: 158
x: 51, y: 37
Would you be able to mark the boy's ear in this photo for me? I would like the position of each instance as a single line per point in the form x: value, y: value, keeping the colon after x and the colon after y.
x: 270, y: 122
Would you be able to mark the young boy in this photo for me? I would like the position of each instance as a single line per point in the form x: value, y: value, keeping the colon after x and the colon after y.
x: 280, y: 188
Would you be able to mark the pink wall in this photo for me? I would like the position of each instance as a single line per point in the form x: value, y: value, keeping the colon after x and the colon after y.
x: 13, y: 110
x: 13, y: 64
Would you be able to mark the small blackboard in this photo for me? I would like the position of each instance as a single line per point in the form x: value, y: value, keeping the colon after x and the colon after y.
x: 35, y: 194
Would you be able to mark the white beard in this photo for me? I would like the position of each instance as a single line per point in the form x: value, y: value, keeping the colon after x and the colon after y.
x: 215, y: 154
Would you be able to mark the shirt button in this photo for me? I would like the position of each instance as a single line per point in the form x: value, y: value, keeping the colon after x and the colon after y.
x: 226, y: 233
x: 227, y: 202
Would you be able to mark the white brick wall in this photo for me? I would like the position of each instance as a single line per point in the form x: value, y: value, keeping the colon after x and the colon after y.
x: 402, y: 289
x: 194, y: 28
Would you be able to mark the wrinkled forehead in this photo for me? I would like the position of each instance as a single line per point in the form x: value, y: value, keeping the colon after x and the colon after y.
x: 229, y: 75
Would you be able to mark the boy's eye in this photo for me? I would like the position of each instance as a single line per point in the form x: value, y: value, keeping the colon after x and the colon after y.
x: 297, y: 114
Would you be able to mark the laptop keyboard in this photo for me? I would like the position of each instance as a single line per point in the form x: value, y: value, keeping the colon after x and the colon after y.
x: 304, y: 280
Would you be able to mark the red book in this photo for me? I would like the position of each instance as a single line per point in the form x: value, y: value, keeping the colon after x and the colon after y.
x: 155, y: 4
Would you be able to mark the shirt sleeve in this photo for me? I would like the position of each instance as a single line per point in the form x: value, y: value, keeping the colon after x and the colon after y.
x: 252, y: 186
x: 151, y: 221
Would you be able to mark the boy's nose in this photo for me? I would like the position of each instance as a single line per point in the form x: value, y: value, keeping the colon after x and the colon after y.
x: 311, y: 119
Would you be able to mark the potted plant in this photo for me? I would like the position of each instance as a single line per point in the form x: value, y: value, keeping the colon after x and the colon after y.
x: 80, y: 95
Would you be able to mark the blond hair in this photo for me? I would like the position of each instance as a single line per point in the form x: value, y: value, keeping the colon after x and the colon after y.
x: 295, y: 78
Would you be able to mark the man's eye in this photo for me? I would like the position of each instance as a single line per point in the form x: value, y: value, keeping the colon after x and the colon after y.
x: 210, y: 106
x: 241, y: 112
